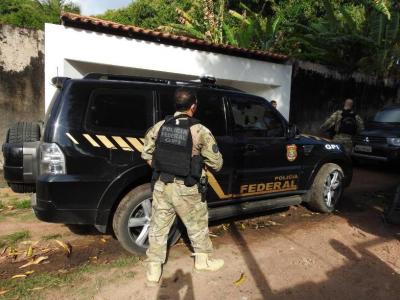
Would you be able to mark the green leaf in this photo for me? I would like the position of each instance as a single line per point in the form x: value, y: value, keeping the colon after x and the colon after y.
x: 229, y: 35
x: 238, y: 16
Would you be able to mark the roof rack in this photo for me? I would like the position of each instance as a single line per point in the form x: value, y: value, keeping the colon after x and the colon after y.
x: 205, y: 80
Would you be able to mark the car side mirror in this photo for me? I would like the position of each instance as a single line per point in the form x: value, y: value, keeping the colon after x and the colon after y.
x: 292, y: 131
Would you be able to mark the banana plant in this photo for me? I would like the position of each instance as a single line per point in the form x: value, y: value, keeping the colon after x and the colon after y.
x: 254, y: 31
x: 380, y: 6
x: 384, y: 34
x: 208, y: 25
x: 337, y: 40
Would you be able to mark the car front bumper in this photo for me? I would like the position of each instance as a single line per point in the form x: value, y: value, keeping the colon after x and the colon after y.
x: 379, y: 152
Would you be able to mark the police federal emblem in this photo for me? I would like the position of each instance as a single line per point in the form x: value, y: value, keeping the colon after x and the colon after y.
x: 291, y: 152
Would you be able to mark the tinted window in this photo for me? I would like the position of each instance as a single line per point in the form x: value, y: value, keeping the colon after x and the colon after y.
x: 121, y: 110
x: 388, y: 116
x: 51, y: 105
x: 254, y: 118
x: 167, y: 103
x: 210, y: 110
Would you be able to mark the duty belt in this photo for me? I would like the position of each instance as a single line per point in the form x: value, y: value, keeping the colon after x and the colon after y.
x: 169, y: 178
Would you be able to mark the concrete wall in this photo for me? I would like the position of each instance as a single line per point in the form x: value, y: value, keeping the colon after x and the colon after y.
x: 318, y: 91
x: 73, y: 52
x: 21, y: 77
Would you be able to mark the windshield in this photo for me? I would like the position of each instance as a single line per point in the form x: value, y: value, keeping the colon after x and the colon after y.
x: 388, y: 116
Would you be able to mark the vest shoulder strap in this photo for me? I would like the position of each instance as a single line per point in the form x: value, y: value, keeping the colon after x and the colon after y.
x: 192, y: 121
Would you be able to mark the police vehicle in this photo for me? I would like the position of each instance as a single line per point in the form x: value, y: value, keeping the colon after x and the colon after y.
x: 84, y: 167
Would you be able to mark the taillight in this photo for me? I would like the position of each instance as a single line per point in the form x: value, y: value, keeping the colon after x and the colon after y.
x: 52, y: 159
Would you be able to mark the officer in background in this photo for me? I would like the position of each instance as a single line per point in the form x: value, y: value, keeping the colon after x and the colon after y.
x: 274, y: 104
x: 344, y: 124
x: 179, y: 149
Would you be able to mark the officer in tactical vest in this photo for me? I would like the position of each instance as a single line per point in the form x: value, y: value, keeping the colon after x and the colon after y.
x: 344, y: 124
x: 179, y: 149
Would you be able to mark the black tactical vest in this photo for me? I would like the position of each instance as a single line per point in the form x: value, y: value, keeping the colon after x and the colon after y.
x: 348, y: 123
x: 173, y: 152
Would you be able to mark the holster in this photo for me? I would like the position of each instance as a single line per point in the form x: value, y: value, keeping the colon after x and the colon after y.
x: 203, y: 187
x: 196, y: 168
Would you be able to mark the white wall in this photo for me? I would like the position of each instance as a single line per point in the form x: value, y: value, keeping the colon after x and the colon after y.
x: 74, y: 52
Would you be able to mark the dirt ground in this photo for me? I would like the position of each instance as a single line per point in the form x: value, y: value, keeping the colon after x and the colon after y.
x: 291, y: 253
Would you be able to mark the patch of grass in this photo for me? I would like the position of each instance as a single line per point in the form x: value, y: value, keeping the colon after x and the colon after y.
x: 21, y: 203
x: 24, y: 288
x: 26, y: 216
x: 124, y: 261
x: 10, y: 199
x: 130, y: 274
x: 14, y: 238
x: 2, y: 206
x: 11, y: 213
x: 51, y: 237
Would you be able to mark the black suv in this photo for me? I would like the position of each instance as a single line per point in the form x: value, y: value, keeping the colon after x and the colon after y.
x: 84, y: 163
x: 380, y: 141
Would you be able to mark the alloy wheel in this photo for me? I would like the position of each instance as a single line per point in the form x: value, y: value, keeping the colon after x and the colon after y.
x: 333, y: 188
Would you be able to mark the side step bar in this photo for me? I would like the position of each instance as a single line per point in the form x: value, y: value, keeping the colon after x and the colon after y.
x: 222, y: 212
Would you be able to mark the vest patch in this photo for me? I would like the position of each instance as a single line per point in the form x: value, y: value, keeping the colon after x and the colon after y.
x: 174, y: 135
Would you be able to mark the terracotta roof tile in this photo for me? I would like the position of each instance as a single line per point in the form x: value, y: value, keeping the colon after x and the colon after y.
x: 99, y: 25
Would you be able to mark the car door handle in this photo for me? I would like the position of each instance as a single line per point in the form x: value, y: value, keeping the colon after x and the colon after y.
x: 250, y: 148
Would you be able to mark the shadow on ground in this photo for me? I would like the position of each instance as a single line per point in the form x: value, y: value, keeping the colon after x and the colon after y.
x: 177, y: 286
x: 362, y: 274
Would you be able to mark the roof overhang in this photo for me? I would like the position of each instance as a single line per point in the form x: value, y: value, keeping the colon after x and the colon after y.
x: 108, y: 27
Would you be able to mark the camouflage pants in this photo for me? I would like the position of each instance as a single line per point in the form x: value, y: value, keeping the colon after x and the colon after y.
x: 345, y: 140
x: 171, y: 199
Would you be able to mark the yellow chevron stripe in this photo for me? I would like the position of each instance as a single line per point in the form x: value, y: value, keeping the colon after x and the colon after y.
x: 216, y: 187
x: 135, y: 143
x: 91, y: 140
x: 124, y: 145
x: 72, y: 138
x: 106, y: 142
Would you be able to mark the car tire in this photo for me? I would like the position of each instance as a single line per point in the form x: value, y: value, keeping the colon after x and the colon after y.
x: 135, y: 208
x: 23, y: 132
x: 21, y: 188
x: 327, y: 188
x: 19, y: 133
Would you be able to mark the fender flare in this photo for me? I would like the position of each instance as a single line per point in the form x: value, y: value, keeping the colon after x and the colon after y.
x: 119, y: 186
x: 343, y: 161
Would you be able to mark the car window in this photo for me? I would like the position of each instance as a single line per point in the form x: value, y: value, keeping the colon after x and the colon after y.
x: 167, y: 107
x: 253, y: 117
x: 388, y: 116
x: 210, y: 109
x: 50, y: 107
x: 120, y: 110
